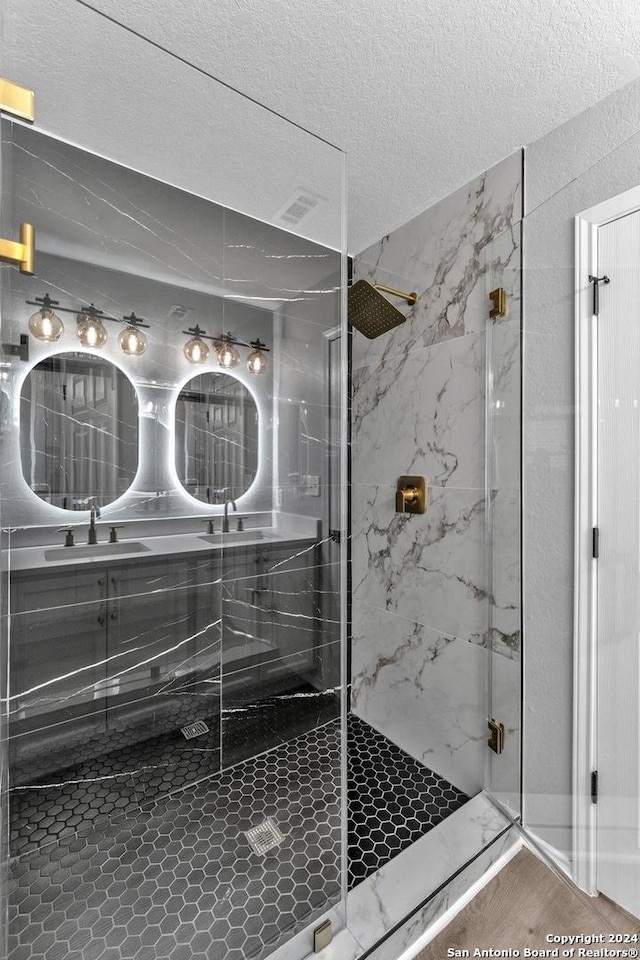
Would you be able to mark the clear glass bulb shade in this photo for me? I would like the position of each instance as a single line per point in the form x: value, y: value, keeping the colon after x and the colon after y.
x: 45, y: 325
x: 257, y: 362
x: 196, y: 350
x: 228, y: 356
x: 91, y: 332
x: 132, y: 341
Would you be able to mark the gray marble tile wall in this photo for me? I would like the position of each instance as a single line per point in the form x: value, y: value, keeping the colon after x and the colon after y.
x: 423, y: 597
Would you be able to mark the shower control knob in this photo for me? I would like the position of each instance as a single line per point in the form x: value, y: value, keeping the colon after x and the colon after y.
x: 411, y: 494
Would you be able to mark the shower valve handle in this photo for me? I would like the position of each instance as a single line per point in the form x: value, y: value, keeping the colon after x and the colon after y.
x: 411, y: 494
x: 405, y: 497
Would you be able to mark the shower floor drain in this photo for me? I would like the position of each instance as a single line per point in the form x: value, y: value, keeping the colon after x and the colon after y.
x: 264, y: 837
x: 195, y: 729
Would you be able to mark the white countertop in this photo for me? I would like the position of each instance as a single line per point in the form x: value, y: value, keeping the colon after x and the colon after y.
x: 156, y: 548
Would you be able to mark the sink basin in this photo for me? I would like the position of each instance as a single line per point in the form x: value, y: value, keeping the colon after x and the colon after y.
x: 234, y: 536
x: 86, y: 551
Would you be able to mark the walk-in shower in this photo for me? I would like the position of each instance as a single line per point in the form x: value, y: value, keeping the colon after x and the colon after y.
x: 245, y: 702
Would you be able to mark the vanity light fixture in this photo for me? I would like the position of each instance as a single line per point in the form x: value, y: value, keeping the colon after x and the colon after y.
x: 228, y: 356
x: 132, y: 340
x: 44, y: 324
x: 91, y: 330
x: 195, y: 349
x: 257, y: 362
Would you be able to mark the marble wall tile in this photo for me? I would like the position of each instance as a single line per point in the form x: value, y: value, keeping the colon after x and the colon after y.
x: 504, y: 605
x: 422, y: 412
x: 441, y: 255
x: 426, y: 690
x: 436, y: 397
x: 430, y: 568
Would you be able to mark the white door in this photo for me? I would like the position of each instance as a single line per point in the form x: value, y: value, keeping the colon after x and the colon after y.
x: 618, y: 567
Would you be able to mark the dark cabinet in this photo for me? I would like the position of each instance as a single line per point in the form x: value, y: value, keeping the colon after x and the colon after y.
x: 93, y: 659
x: 119, y: 653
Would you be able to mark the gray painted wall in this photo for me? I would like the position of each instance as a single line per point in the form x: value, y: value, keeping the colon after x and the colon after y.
x: 590, y: 158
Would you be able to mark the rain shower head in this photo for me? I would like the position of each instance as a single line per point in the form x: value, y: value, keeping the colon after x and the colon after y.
x: 370, y: 312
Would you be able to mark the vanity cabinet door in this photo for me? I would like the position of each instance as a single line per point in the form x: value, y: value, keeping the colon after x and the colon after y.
x: 294, y: 601
x: 150, y: 643
x: 206, y: 602
x: 270, y: 614
x: 246, y: 610
x: 57, y: 668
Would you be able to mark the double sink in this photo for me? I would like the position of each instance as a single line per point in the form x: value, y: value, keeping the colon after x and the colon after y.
x: 132, y: 547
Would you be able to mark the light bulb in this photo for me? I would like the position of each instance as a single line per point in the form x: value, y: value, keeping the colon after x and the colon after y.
x: 196, y: 350
x: 257, y: 362
x: 45, y: 325
x: 228, y: 356
x: 91, y: 331
x: 132, y: 341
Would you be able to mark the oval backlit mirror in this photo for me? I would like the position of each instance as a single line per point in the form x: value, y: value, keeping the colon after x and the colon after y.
x: 78, y: 431
x: 216, y: 433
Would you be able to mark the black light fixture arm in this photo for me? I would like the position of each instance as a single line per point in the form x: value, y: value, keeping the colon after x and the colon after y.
x: 135, y: 321
x: 46, y: 303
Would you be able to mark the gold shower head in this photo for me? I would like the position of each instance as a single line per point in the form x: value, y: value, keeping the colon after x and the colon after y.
x: 370, y: 312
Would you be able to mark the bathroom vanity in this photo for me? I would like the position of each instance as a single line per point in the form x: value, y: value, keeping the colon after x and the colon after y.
x: 76, y: 662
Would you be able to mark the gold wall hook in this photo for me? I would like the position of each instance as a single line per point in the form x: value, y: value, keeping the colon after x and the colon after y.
x: 20, y: 254
x: 409, y: 297
x: 411, y: 495
x: 16, y: 100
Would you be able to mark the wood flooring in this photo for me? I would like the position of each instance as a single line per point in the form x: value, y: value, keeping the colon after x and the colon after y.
x: 520, y: 906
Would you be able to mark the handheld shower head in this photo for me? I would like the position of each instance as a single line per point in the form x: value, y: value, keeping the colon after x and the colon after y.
x: 370, y: 312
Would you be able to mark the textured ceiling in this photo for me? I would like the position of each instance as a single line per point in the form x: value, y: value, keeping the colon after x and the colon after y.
x: 421, y: 94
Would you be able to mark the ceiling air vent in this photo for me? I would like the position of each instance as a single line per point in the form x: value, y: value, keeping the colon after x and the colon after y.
x: 302, y: 205
x: 178, y: 312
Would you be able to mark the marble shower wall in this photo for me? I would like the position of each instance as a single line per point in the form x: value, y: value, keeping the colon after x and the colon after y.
x: 437, y: 596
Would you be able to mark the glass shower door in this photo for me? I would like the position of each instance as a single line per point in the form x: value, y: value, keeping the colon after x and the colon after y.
x: 170, y: 637
x: 503, y: 524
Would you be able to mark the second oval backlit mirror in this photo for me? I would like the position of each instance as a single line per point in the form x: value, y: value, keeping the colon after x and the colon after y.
x: 216, y: 437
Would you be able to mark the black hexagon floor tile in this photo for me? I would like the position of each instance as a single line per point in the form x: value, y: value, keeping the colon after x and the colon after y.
x: 178, y: 878
x: 393, y: 800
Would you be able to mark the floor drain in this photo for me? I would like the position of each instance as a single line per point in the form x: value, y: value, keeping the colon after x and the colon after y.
x: 195, y: 729
x: 264, y: 837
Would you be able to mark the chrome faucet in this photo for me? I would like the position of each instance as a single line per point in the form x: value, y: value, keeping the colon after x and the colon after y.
x: 94, y: 514
x: 225, y: 522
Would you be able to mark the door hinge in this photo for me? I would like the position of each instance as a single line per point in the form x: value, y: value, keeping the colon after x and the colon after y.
x: 496, y: 739
x: 594, y: 786
x: 498, y: 299
x: 596, y: 281
x: 595, y: 543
